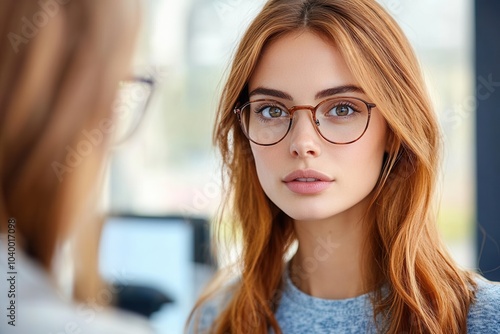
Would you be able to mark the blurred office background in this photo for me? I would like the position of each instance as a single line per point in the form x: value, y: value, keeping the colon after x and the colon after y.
x: 170, y: 169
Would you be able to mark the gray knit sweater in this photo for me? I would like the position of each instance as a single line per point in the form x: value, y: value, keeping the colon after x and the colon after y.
x: 299, y: 313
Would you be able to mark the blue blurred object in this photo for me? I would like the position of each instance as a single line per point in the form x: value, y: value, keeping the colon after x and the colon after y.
x: 157, y: 264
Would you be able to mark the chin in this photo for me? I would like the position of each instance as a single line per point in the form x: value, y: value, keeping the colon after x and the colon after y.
x: 317, y: 210
x: 307, y: 214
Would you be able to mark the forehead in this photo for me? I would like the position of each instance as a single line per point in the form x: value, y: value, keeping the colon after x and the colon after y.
x: 301, y: 64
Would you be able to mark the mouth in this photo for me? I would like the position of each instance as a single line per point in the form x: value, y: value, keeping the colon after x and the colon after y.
x: 306, y: 179
x: 307, y: 175
x: 307, y: 182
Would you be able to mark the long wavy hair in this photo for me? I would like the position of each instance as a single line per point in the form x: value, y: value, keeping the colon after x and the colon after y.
x: 426, y: 291
x: 60, y: 65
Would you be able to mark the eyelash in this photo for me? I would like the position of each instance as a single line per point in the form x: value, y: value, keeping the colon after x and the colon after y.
x: 345, y: 104
x: 260, y: 108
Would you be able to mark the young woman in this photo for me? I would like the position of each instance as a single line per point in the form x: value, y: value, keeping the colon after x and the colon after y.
x: 60, y: 67
x: 331, y: 145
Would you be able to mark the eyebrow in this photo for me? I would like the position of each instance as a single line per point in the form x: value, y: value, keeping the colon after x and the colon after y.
x: 270, y: 92
x: 339, y: 90
x: 322, y: 94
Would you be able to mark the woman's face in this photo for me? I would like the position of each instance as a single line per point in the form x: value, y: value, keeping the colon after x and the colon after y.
x: 306, y: 176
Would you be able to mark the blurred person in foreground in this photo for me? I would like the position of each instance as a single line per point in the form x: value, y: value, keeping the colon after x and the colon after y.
x: 61, y: 62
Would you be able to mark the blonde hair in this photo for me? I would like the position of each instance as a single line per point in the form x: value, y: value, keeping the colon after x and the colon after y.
x: 60, y: 64
x: 427, y: 292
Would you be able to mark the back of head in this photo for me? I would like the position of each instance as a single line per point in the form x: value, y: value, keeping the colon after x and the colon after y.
x: 60, y: 65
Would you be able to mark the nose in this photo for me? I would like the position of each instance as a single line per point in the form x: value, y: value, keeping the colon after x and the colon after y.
x: 305, y: 140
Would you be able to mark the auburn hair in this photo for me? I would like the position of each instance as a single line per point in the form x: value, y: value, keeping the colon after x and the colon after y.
x: 426, y: 291
x: 60, y: 65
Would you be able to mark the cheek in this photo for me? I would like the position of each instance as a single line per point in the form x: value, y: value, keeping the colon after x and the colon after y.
x: 267, y: 164
x: 367, y: 164
x: 366, y: 156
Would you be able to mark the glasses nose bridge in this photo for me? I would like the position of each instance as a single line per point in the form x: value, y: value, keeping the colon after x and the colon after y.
x: 312, y: 109
x: 293, y: 109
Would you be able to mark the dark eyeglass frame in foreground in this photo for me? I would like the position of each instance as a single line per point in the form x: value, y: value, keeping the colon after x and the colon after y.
x: 139, y: 112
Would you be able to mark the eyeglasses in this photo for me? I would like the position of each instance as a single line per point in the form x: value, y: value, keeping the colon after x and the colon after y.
x: 130, y: 106
x: 339, y: 120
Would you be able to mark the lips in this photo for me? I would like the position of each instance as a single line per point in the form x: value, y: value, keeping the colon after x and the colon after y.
x: 307, y: 182
x: 306, y: 175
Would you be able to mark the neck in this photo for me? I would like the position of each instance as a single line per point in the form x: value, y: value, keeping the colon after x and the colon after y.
x: 328, y: 261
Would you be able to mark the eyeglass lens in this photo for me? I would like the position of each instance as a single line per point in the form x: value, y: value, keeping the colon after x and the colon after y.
x: 339, y: 120
x: 129, y: 107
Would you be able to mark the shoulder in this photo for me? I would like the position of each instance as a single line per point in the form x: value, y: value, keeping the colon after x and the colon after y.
x: 50, y: 317
x: 205, y: 314
x: 37, y: 306
x: 46, y: 312
x: 484, y: 313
